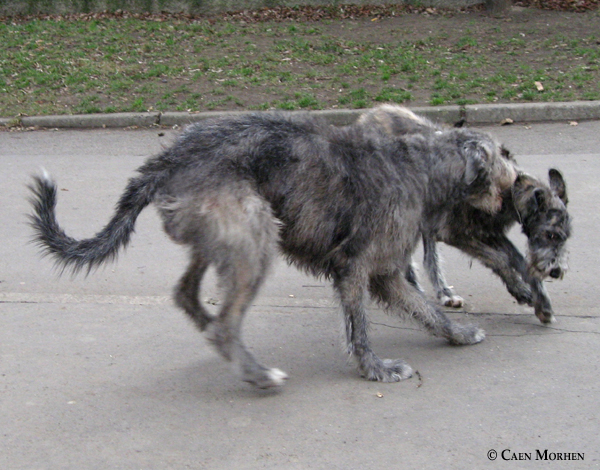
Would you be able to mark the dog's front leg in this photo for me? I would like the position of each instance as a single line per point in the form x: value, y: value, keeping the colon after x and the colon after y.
x: 351, y: 290
x: 541, y: 302
x: 503, y: 258
x: 398, y: 296
x: 540, y: 299
x: 431, y: 260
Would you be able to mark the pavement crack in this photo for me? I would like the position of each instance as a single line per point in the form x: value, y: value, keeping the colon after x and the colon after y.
x: 554, y: 329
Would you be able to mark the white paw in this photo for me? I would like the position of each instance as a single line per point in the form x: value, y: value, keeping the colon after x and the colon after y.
x: 479, y: 336
x: 271, y: 378
x: 277, y: 377
x: 455, y: 301
x: 546, y: 319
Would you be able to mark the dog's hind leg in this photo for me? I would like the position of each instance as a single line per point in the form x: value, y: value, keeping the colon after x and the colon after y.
x: 443, y: 292
x: 352, y: 292
x: 397, y: 295
x: 242, y: 251
x: 241, y: 282
x: 186, y: 292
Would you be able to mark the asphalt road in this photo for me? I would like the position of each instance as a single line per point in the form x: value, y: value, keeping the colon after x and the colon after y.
x: 104, y: 373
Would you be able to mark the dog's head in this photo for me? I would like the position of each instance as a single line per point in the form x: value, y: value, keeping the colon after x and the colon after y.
x: 542, y: 211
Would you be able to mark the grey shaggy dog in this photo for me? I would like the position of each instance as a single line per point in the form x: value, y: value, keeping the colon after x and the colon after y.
x: 541, y: 209
x: 341, y: 203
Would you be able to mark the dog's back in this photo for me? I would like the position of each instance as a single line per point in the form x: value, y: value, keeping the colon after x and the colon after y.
x: 332, y: 191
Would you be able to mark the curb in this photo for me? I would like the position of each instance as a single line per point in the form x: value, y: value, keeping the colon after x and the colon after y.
x: 473, y: 114
x: 90, y: 121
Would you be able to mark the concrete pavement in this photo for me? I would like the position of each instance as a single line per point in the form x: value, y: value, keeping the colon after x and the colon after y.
x: 103, y: 372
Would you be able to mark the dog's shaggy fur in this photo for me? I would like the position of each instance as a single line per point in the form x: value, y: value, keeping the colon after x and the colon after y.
x: 342, y: 203
x: 541, y: 209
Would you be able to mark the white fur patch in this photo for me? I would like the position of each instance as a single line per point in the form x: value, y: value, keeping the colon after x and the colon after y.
x: 277, y: 376
x: 479, y: 336
x: 45, y: 175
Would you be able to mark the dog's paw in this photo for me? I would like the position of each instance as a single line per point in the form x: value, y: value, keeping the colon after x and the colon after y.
x: 455, y: 301
x: 388, y: 370
x: 266, y: 378
x: 276, y: 377
x: 465, y: 334
x: 544, y: 315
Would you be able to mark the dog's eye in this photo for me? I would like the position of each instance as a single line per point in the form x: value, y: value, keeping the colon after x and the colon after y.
x: 553, y: 236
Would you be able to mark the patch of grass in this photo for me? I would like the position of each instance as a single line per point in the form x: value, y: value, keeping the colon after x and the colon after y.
x: 126, y: 64
x: 306, y: 100
x: 393, y: 95
x: 357, y: 98
x: 466, y: 42
x: 88, y: 105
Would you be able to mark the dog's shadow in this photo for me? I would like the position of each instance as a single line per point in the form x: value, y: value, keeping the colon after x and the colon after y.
x: 315, y: 363
x: 212, y: 378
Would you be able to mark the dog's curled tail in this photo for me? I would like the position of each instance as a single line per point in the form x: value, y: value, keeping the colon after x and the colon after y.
x: 90, y: 253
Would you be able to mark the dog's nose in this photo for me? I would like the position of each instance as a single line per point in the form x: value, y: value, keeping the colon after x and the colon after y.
x: 555, y: 273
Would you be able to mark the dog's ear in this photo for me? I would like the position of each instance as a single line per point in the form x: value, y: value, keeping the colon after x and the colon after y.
x: 558, y: 185
x: 507, y: 154
x: 527, y: 198
x: 534, y: 202
x: 520, y: 181
x: 476, y: 169
x: 538, y: 199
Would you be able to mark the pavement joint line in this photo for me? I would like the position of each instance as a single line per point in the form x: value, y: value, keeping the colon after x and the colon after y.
x: 41, y: 298
x: 260, y: 304
x: 476, y: 114
x: 113, y: 299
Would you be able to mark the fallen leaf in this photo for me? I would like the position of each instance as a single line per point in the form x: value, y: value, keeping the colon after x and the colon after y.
x: 573, y: 123
x: 420, y: 377
x: 539, y: 86
x: 506, y: 122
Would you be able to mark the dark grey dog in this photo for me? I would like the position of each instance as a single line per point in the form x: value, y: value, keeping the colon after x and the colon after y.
x: 541, y: 210
x: 339, y: 203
